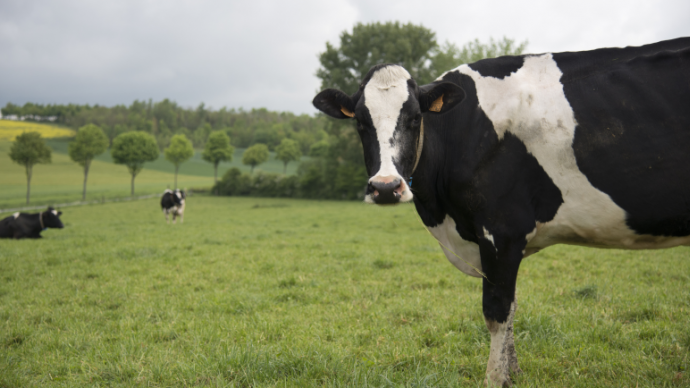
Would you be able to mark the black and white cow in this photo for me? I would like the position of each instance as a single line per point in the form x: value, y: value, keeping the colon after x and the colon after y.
x: 507, y: 156
x: 25, y: 225
x: 172, y: 202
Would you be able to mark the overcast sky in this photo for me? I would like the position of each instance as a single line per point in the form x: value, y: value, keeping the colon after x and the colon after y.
x: 263, y: 53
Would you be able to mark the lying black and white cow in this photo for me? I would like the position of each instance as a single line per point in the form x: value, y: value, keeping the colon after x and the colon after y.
x: 507, y: 156
x: 172, y: 202
x: 25, y: 225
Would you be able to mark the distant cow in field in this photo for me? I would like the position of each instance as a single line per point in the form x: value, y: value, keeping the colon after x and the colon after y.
x: 511, y: 155
x: 172, y: 202
x: 25, y: 225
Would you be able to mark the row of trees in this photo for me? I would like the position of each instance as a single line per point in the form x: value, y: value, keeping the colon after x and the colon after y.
x: 133, y: 149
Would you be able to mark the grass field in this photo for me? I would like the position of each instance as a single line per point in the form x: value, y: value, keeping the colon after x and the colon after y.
x: 289, y: 293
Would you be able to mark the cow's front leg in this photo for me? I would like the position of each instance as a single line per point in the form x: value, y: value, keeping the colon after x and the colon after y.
x: 510, y: 347
x: 500, y: 262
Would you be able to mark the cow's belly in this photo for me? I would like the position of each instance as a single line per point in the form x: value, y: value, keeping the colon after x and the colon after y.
x: 592, y: 219
x: 463, y: 254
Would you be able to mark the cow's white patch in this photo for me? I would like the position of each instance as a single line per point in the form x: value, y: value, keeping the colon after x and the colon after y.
x: 384, y: 96
x: 449, y: 239
x: 489, y: 237
x: 54, y: 212
x: 532, y: 105
x: 15, y: 215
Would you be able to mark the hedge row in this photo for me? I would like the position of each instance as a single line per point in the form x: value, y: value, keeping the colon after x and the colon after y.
x: 315, y: 180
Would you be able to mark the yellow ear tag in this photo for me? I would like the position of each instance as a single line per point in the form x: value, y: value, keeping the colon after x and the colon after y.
x: 346, y: 112
x: 437, y: 104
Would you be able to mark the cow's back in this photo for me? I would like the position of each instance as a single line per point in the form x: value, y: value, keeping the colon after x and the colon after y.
x: 632, y: 139
x: 611, y: 129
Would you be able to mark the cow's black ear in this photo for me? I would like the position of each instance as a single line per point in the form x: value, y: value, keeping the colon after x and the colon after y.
x: 59, y: 214
x: 335, y: 103
x: 440, y: 97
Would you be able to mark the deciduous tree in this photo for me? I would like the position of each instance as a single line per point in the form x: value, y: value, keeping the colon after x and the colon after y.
x: 255, y: 155
x: 180, y: 151
x: 411, y: 46
x: 27, y: 150
x: 287, y: 151
x: 408, y: 45
x: 89, y: 143
x: 217, y: 149
x: 133, y: 149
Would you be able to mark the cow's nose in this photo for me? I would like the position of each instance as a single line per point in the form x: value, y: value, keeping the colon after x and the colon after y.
x: 386, y: 191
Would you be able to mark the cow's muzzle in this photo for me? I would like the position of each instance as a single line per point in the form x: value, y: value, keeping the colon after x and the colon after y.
x: 386, y: 191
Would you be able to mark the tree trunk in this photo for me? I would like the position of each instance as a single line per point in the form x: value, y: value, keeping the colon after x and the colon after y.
x: 252, y: 170
x: 133, y: 175
x: 28, y: 182
x: 215, y: 177
x: 86, y: 174
x: 285, y: 168
x: 177, y: 167
x: 215, y: 173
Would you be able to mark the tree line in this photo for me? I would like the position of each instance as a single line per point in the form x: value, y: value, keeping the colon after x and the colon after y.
x: 335, y: 169
x: 165, y: 119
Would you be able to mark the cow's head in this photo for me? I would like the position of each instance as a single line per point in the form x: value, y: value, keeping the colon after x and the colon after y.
x: 51, y: 218
x: 180, y: 194
x: 388, y: 109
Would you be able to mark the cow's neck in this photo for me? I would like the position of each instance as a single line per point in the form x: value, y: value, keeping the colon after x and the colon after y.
x: 428, y: 183
x: 446, y: 170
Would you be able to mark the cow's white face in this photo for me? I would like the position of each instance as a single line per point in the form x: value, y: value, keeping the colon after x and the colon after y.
x: 388, y: 109
x: 384, y: 113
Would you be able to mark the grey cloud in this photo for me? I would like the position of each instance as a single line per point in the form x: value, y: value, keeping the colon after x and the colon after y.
x: 264, y: 53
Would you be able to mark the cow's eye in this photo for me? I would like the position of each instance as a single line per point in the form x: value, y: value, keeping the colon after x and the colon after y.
x: 416, y: 120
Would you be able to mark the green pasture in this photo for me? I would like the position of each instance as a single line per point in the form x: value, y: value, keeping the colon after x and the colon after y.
x: 292, y: 293
x: 61, y: 181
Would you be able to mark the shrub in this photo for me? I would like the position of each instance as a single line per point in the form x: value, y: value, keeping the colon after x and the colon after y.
x: 260, y: 185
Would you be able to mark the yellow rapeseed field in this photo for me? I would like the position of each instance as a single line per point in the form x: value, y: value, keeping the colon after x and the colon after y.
x: 9, y: 130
